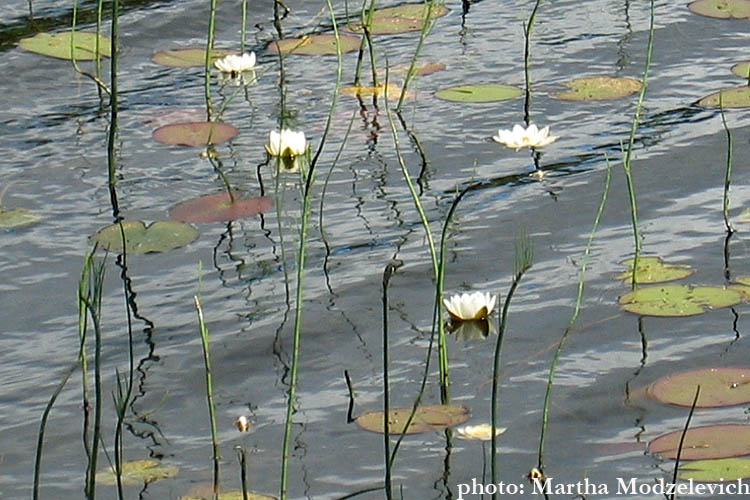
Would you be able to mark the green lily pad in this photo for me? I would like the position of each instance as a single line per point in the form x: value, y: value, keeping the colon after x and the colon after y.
x: 710, y: 441
x: 138, y: 472
x: 722, y: 9
x: 427, y: 418
x: 742, y: 69
x: 738, y: 97
x: 678, y: 300
x: 394, y: 91
x: 190, y: 57
x: 596, y: 88
x: 719, y: 387
x: 219, y: 207
x: 195, y: 133
x: 399, y: 19
x: 159, y: 236
x: 58, y: 45
x: 714, y: 471
x: 652, y: 269
x: 315, y: 45
x: 230, y: 495
x: 482, y: 92
x: 11, y: 218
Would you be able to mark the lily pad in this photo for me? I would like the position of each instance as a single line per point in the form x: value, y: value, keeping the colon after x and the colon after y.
x: 399, y: 19
x: 231, y: 495
x: 11, y: 218
x: 722, y: 9
x: 738, y: 97
x: 58, y: 45
x: 219, y: 207
x: 719, y: 387
x: 190, y: 57
x: 710, y: 441
x: 195, y: 133
x: 394, y: 91
x: 678, y: 300
x: 138, y: 472
x: 652, y: 269
x: 742, y: 69
x: 427, y: 418
x: 315, y: 45
x: 482, y: 92
x: 596, y: 88
x: 721, y: 469
x: 159, y: 236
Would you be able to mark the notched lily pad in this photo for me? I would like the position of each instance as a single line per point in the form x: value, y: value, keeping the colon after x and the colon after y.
x: 596, y: 88
x: 738, y: 97
x: 138, y: 472
x: 722, y: 9
x: 394, y: 91
x: 678, y: 300
x: 315, y: 45
x: 195, y: 133
x: 219, y: 207
x: 482, y: 92
x: 719, y: 387
x: 427, y: 418
x: 652, y: 269
x: 399, y: 19
x: 710, y: 441
x: 189, y: 57
x: 714, y: 471
x: 58, y: 45
x: 159, y: 236
x: 742, y: 69
x: 11, y: 218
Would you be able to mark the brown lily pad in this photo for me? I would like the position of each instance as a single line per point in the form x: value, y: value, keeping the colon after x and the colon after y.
x: 399, y: 19
x: 719, y: 387
x: 738, y: 97
x: 394, y: 91
x: 195, y: 133
x: 219, y: 207
x: 710, y: 441
x: 189, y: 57
x: 427, y: 418
x: 315, y: 45
x: 597, y: 88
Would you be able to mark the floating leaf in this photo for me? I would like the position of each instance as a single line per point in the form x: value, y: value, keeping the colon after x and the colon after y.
x: 483, y: 92
x: 722, y: 9
x: 315, y: 45
x: 219, y: 207
x: 195, y: 133
x: 17, y: 217
x: 394, y: 91
x: 730, y: 98
x: 714, y: 471
x: 160, y: 236
x: 58, y: 45
x: 230, y: 495
x: 138, y: 472
x: 742, y: 69
x: 595, y: 88
x: 710, y: 441
x: 652, y: 269
x: 186, y: 58
x: 678, y: 300
x: 719, y: 387
x: 427, y: 418
x: 399, y: 19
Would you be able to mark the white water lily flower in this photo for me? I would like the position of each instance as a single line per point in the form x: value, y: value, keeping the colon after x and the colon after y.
x: 521, y: 137
x: 468, y: 306
x: 481, y: 432
x: 235, y: 64
x: 286, y: 144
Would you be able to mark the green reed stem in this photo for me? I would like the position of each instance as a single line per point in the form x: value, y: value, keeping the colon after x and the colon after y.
x: 366, y: 21
x: 524, y: 255
x: 209, y: 394
x: 428, y: 23
x: 242, y: 456
x: 113, y: 104
x: 207, y: 61
x: 244, y: 26
x: 99, y: 83
x: 728, y: 172
x: 527, y: 61
x: 387, y: 274
x: 571, y: 322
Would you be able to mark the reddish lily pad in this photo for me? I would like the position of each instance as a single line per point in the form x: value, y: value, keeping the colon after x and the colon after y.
x: 190, y: 57
x: 596, y: 88
x: 483, y: 92
x: 399, y: 19
x: 714, y: 471
x: 427, y: 418
x: 742, y: 69
x: 719, y: 387
x: 159, y: 236
x: 678, y: 300
x: 219, y: 207
x: 138, y: 472
x: 722, y: 9
x: 738, y: 97
x: 58, y: 45
x: 315, y: 45
x: 652, y: 269
x: 710, y: 441
x: 195, y: 133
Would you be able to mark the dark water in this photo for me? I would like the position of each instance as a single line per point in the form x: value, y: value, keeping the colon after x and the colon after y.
x: 53, y: 147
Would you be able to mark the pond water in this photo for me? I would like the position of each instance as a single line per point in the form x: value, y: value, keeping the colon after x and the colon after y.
x: 54, y: 144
